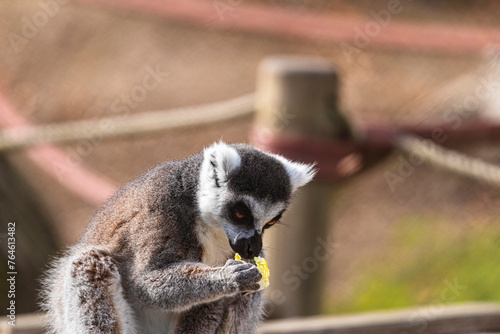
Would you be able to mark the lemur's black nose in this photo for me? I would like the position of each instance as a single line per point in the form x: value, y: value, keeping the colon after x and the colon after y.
x: 254, y: 246
x: 248, y: 248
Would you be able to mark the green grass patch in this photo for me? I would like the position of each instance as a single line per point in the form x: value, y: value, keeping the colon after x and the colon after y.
x: 429, y: 262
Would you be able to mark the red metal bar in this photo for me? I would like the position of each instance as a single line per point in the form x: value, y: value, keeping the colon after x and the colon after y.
x: 357, y: 31
x: 374, y: 143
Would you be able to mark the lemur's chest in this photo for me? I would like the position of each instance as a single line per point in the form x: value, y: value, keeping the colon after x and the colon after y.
x: 215, y: 246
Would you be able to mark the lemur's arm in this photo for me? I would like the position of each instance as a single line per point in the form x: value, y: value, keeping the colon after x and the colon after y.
x: 180, y: 286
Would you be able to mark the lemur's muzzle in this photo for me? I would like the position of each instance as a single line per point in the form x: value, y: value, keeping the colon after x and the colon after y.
x: 248, y: 247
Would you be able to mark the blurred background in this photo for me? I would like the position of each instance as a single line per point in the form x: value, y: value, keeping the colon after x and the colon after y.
x: 396, y: 244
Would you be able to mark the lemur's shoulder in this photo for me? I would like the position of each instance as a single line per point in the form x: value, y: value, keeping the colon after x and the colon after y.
x: 159, y: 207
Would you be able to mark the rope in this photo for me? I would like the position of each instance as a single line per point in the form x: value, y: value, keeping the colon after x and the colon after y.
x: 108, y: 127
x: 153, y: 121
x: 449, y: 160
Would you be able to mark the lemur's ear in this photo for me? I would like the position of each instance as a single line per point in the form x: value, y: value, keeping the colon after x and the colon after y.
x: 221, y: 159
x: 300, y: 174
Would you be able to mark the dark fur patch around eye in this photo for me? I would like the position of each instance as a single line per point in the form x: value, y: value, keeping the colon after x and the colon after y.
x: 239, y: 213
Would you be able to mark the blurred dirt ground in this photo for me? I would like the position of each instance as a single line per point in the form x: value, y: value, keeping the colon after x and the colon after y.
x: 86, y: 57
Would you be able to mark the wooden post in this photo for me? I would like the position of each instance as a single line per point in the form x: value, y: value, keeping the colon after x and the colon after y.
x: 297, y: 97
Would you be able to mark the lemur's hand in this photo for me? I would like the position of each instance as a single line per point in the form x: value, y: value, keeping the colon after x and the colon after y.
x: 243, y: 277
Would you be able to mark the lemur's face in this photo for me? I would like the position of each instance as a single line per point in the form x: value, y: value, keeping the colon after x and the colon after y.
x: 245, y: 191
x: 245, y: 221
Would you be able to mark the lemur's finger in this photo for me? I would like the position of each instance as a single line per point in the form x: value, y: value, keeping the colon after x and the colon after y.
x: 235, y: 263
x: 231, y: 262
x: 244, y: 266
x: 255, y: 287
x: 249, y: 276
x: 251, y: 288
x: 238, y: 266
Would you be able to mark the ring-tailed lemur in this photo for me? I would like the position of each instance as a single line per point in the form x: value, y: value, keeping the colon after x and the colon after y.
x: 154, y: 258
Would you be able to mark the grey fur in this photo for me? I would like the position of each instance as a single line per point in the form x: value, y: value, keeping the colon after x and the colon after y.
x: 157, y: 257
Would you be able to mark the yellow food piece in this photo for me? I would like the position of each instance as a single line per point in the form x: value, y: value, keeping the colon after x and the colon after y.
x: 261, y: 264
x: 264, y: 270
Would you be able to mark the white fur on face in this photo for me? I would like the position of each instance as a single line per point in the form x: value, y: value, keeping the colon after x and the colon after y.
x: 219, y: 160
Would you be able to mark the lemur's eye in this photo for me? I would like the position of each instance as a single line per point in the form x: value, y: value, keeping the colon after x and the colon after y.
x: 239, y: 213
x: 273, y: 221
